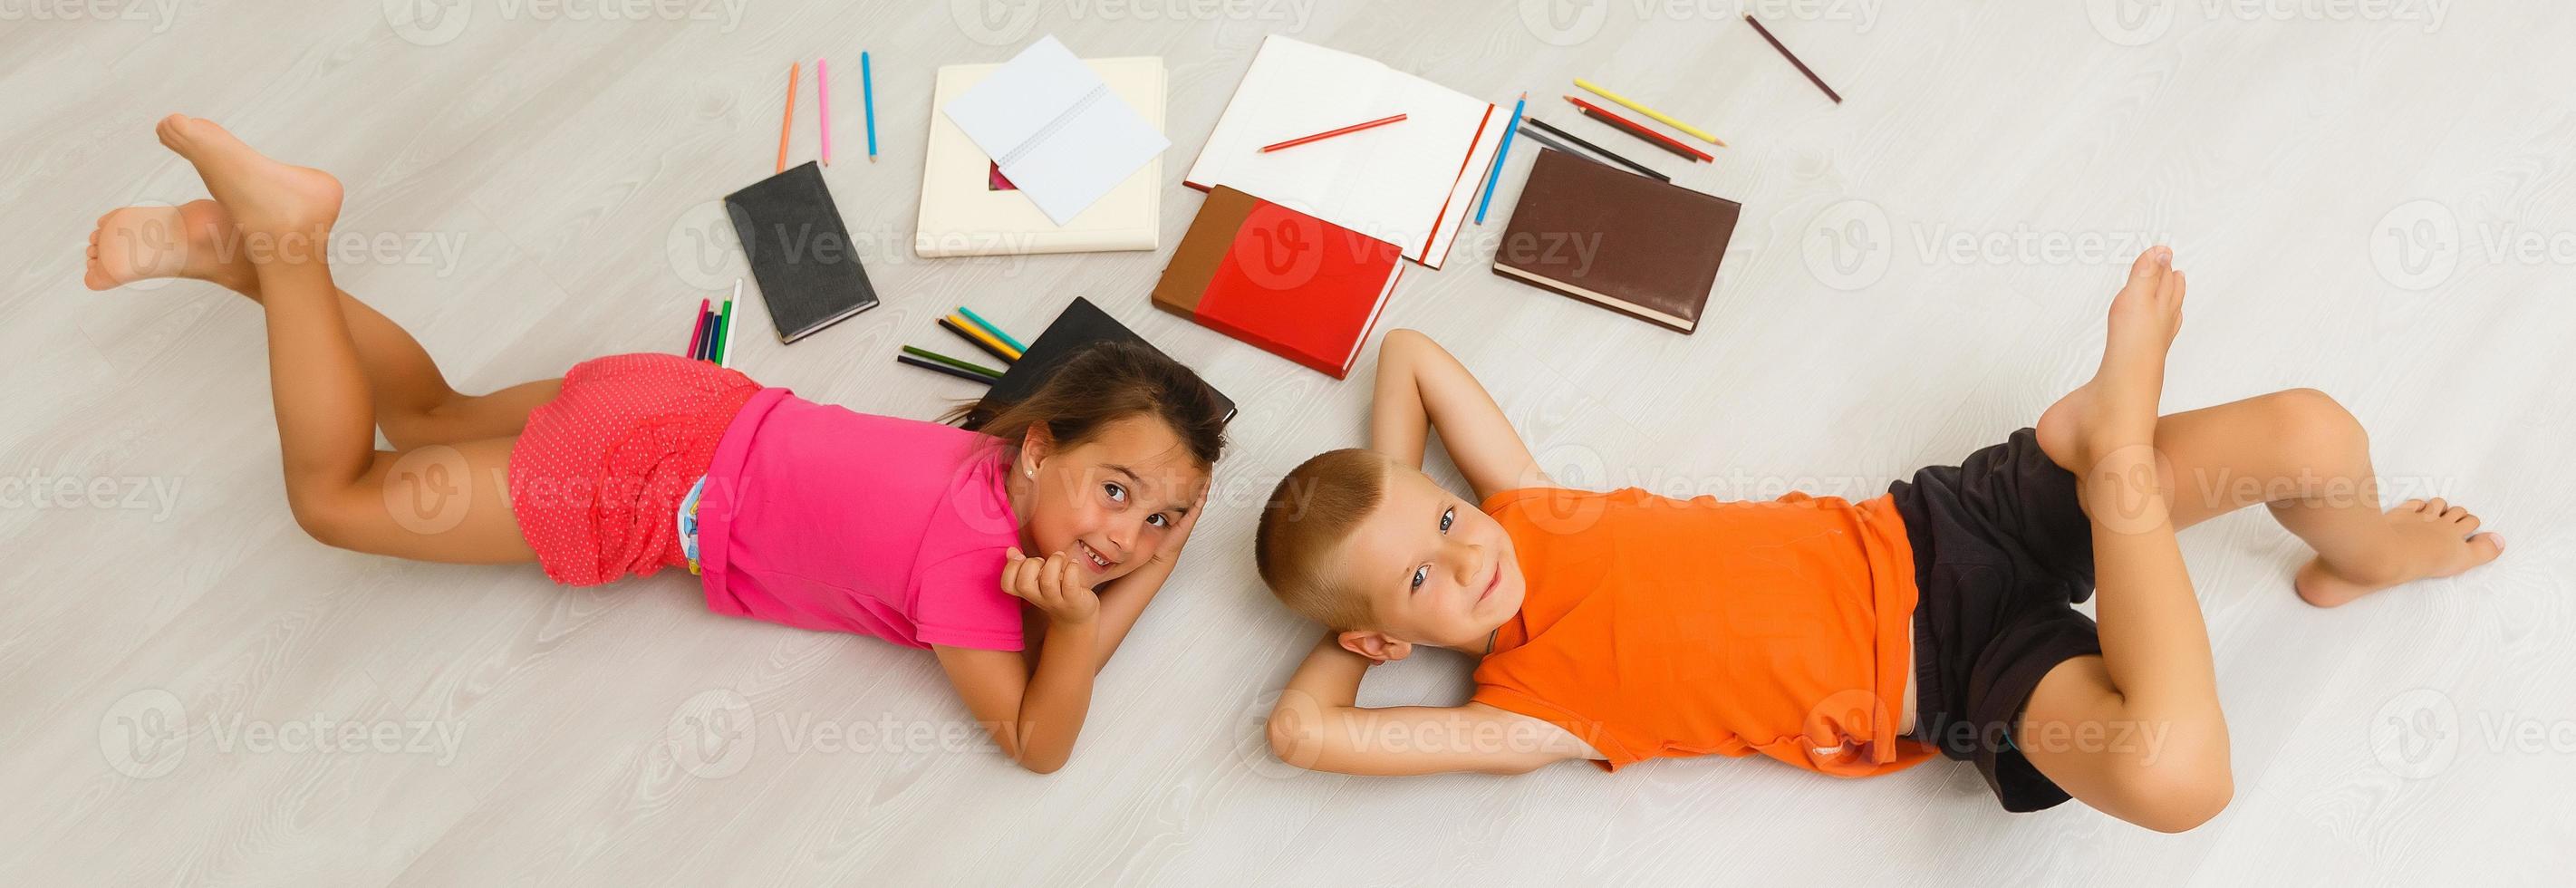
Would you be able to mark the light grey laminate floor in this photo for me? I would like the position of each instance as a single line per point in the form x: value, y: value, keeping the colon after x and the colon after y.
x: 2375, y: 200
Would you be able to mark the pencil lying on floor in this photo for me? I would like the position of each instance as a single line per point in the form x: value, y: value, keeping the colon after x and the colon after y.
x: 968, y: 366
x: 981, y: 339
x: 937, y: 367
x: 990, y: 327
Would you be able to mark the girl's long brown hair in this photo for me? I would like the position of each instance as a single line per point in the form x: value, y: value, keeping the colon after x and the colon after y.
x: 1102, y: 384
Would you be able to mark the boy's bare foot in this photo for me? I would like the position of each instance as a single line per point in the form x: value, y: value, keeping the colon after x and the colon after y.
x: 2435, y: 539
x: 265, y: 197
x: 2117, y: 407
x: 195, y: 240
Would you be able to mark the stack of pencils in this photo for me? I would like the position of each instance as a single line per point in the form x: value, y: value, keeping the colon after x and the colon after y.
x: 712, y: 338
x: 975, y: 330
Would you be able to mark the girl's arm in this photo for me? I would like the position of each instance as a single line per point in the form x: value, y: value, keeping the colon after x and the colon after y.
x: 1034, y: 714
x: 1316, y: 726
x: 1421, y: 387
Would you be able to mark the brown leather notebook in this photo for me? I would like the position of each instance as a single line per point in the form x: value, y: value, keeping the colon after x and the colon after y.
x: 1642, y: 248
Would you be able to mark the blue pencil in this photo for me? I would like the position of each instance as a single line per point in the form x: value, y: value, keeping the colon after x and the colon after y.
x: 990, y: 328
x: 868, y: 100
x: 1499, y: 153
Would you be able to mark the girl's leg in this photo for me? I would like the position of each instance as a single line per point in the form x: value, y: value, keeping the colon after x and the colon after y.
x: 413, y: 402
x: 2307, y: 459
x: 342, y: 490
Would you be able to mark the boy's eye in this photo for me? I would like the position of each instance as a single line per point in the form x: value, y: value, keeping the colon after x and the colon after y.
x: 1420, y: 574
x: 1448, y: 516
x: 1116, y: 493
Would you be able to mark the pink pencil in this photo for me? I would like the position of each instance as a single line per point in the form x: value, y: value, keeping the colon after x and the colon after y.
x: 823, y: 103
x: 697, y: 328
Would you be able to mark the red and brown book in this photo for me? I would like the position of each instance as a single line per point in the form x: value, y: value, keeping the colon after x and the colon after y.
x: 1636, y: 246
x: 1300, y: 287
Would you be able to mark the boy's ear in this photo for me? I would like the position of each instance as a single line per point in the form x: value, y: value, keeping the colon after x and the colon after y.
x: 1376, y: 645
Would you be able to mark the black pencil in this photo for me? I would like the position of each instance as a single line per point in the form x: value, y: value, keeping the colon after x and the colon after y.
x: 942, y: 368
x: 1793, y: 59
x: 968, y: 366
x: 1641, y: 169
x: 979, y: 342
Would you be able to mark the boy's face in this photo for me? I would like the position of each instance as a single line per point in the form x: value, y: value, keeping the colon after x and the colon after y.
x: 1435, y: 569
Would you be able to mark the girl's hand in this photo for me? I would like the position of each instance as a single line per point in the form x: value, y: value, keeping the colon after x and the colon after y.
x: 1171, y: 551
x: 1044, y: 584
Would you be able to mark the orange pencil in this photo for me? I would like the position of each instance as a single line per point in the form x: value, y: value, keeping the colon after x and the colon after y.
x: 1639, y: 130
x: 787, y: 121
x: 1353, y: 128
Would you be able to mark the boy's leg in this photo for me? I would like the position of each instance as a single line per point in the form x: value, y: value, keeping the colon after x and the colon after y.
x: 413, y: 402
x: 341, y: 488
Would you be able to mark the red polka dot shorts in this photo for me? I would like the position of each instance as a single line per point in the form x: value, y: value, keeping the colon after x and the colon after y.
x: 598, y: 474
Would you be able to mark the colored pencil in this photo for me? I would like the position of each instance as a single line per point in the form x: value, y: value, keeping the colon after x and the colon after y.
x: 724, y: 346
x: 698, y: 329
x: 823, y: 105
x: 1639, y: 130
x: 1353, y: 128
x: 995, y: 329
x: 980, y: 340
x: 868, y: 98
x: 1793, y: 59
x: 724, y: 326
x: 1500, y: 153
x: 706, y: 334
x: 937, y: 367
x: 787, y: 119
x: 928, y: 355
x: 1660, y: 117
x: 1596, y: 149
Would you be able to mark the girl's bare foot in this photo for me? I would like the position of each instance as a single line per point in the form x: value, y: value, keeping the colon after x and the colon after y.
x: 2432, y: 539
x: 267, y: 199
x: 195, y: 240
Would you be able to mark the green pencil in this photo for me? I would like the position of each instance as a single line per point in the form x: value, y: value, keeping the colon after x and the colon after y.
x: 970, y: 367
x: 724, y: 328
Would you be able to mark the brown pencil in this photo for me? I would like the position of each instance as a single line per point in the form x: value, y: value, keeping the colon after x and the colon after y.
x: 1793, y: 59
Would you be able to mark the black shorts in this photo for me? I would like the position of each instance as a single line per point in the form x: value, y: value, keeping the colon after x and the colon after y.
x: 2002, y: 552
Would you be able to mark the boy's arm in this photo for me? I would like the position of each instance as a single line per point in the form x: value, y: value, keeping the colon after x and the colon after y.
x: 1316, y: 727
x: 1421, y: 387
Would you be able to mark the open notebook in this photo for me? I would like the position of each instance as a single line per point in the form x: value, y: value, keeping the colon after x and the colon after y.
x: 1408, y: 183
x: 966, y: 212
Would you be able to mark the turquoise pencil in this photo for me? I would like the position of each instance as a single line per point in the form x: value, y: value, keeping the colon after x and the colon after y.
x: 990, y: 328
x: 1505, y: 150
x: 868, y: 100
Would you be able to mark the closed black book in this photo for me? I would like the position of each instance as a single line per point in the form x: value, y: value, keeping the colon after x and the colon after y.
x: 801, y: 254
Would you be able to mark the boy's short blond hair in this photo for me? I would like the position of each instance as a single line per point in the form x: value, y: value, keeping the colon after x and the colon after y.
x: 1311, y: 512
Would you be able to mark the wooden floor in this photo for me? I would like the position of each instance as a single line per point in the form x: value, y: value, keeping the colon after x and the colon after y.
x: 191, y: 691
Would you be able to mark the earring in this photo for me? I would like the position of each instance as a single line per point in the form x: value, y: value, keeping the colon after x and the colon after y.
x: 1031, y: 471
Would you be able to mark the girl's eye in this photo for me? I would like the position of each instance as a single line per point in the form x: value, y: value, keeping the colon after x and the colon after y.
x: 1116, y: 493
x: 1158, y: 519
x: 1447, y: 517
x: 1420, y: 574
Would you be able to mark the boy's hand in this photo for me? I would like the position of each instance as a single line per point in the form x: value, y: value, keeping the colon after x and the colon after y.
x: 1043, y: 583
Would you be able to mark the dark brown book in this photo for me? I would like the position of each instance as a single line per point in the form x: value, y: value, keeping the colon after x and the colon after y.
x: 1642, y: 248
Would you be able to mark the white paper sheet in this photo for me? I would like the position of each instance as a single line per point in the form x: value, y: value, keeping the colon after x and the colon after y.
x: 1058, y: 132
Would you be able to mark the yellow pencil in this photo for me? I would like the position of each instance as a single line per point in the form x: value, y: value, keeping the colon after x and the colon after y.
x: 1660, y: 117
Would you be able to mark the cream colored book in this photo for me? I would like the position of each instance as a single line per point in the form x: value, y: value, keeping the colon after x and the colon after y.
x: 963, y: 214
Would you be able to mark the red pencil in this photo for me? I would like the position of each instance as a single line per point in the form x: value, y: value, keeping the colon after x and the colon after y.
x: 1639, y: 130
x: 1353, y: 128
x: 698, y: 329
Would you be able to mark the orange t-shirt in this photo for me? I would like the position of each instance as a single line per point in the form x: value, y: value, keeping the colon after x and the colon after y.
x: 1660, y: 627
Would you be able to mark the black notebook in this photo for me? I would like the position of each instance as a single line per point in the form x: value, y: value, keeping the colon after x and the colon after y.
x: 801, y: 254
x: 1078, y: 326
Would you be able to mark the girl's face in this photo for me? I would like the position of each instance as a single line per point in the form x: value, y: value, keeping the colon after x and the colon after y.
x: 1110, y: 503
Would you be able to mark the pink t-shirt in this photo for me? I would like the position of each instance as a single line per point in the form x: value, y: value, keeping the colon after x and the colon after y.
x: 819, y: 517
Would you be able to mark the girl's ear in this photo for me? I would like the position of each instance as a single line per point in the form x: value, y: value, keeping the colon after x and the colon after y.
x: 1035, y: 446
